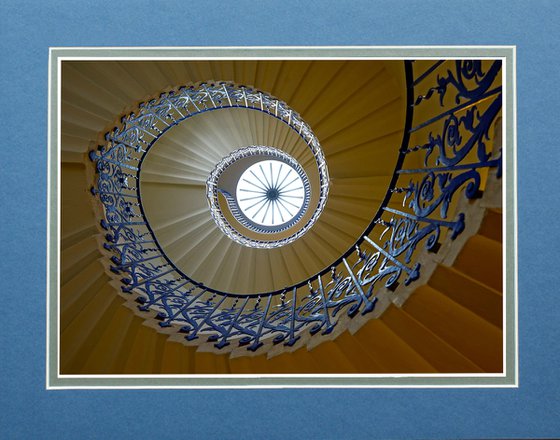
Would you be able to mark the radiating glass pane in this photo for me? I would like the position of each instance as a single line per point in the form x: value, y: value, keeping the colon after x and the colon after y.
x: 270, y: 193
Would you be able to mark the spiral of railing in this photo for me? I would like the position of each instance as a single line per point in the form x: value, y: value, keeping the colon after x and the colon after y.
x: 445, y: 155
x: 231, y: 231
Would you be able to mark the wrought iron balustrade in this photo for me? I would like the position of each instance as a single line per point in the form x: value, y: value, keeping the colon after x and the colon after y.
x: 445, y: 155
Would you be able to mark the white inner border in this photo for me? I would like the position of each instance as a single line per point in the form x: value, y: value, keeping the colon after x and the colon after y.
x: 60, y: 381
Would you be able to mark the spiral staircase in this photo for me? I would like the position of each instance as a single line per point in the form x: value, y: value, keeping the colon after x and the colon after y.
x: 400, y: 271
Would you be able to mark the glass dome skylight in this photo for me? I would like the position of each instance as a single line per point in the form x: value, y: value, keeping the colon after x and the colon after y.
x: 270, y: 193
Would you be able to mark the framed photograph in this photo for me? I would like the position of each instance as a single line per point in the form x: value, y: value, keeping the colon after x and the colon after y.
x: 282, y: 217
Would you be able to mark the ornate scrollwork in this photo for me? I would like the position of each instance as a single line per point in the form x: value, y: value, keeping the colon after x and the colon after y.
x: 469, y: 81
x: 453, y: 145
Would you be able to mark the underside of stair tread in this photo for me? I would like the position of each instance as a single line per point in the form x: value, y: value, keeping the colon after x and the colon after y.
x: 78, y: 291
x: 358, y: 353
x: 435, y: 350
x: 490, y: 272
x: 470, y: 293
x: 391, y: 352
x: 110, y: 343
x: 450, y: 321
x: 491, y: 226
x: 75, y: 257
x: 142, y: 353
x: 77, y: 338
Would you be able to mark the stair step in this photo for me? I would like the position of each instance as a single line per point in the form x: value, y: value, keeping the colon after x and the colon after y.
x: 78, y: 291
x: 339, y: 229
x: 112, y: 343
x: 322, y: 248
x: 142, y: 353
x: 294, y: 264
x: 332, y: 359
x: 307, y: 257
x: 77, y: 236
x: 317, y: 80
x: 115, y: 77
x: 78, y: 130
x: 491, y: 226
x: 341, y: 98
x: 436, y: 351
x: 75, y: 258
x: 475, y: 296
x: 210, y: 363
x: 283, y: 364
x: 301, y: 361
x: 380, y: 120
x: 77, y: 116
x: 293, y: 79
x: 360, y: 357
x: 352, y: 207
x: 481, y: 259
x: 73, y: 156
x: 363, y: 102
x: 227, y: 272
x: 177, y: 359
x: 80, y: 334
x: 75, y: 95
x: 128, y: 340
x: 78, y: 81
x: 391, y: 353
x: 77, y: 214
x: 245, y: 365
x: 471, y: 335
x: 372, y: 187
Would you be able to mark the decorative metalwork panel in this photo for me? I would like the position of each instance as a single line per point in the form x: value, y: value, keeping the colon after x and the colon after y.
x: 443, y: 157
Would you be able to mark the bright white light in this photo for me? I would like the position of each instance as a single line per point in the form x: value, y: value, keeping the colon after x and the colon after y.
x: 270, y: 193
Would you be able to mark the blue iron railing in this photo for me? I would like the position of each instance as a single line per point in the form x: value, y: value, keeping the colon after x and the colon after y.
x: 443, y: 156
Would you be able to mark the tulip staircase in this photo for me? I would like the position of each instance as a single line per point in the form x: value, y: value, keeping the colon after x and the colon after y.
x: 385, y: 257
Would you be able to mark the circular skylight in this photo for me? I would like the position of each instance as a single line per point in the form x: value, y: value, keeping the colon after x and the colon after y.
x: 266, y: 191
x: 270, y: 193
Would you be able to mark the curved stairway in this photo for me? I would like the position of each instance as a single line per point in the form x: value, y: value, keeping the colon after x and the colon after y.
x: 447, y: 321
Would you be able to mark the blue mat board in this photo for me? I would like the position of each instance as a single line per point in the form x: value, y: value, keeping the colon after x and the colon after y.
x: 29, y: 411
